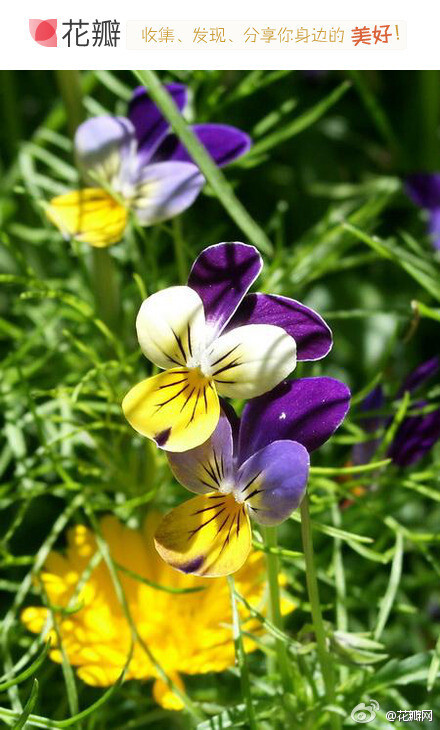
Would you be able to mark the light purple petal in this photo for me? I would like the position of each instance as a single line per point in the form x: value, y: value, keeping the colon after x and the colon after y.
x: 420, y: 375
x: 223, y: 142
x: 150, y: 124
x: 308, y: 410
x: 221, y: 275
x: 105, y: 148
x: 434, y: 227
x: 272, y: 482
x: 312, y: 335
x: 165, y: 189
x: 204, y: 468
x: 415, y: 438
x: 424, y: 189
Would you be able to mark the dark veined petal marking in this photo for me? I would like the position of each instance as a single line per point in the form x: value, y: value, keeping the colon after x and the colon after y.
x: 169, y: 409
x: 205, y: 536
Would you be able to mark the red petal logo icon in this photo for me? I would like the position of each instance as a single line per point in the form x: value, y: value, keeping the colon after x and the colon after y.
x: 44, y: 32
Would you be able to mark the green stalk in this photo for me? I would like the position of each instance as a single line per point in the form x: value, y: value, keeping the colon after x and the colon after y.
x: 377, y: 113
x: 429, y: 105
x: 106, y: 288
x: 318, y: 624
x: 203, y: 160
x: 240, y: 655
x: 274, y: 612
x: 105, y: 282
x: 69, y: 84
x: 179, y: 251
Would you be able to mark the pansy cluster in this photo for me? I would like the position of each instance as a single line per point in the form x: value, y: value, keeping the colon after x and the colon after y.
x: 212, y: 341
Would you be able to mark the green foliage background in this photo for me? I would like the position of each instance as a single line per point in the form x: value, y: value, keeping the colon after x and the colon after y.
x: 323, y: 185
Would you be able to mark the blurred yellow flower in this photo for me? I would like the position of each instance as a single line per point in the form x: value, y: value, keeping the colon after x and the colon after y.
x: 186, y: 632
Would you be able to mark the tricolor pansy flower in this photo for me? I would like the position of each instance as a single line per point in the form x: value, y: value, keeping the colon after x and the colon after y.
x: 212, y: 339
x: 417, y: 433
x: 137, y: 165
x: 255, y: 468
x: 424, y: 191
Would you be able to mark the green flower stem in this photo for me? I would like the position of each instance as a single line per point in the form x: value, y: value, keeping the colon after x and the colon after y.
x: 241, y: 656
x: 429, y: 101
x: 270, y: 538
x: 203, y: 160
x: 318, y: 624
x: 105, y: 283
x: 106, y: 288
x: 179, y: 251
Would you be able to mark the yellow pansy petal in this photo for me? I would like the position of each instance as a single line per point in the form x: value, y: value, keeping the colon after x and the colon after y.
x: 165, y: 696
x: 90, y: 215
x: 179, y: 409
x: 209, y: 535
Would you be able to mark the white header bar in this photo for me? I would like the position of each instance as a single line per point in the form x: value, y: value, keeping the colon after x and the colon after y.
x: 180, y: 35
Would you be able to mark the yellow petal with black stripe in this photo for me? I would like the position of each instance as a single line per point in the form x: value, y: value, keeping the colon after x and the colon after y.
x: 209, y: 535
x: 90, y: 215
x: 179, y: 408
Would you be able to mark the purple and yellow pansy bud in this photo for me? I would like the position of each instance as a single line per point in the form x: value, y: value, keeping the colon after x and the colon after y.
x: 260, y: 476
x: 188, y: 332
x: 136, y: 165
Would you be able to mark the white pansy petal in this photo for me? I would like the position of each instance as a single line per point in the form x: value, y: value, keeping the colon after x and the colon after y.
x: 165, y: 189
x: 251, y: 360
x: 105, y: 148
x: 171, y: 326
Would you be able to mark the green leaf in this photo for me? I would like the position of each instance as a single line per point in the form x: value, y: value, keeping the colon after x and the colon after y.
x: 302, y: 122
x: 27, y: 672
x: 21, y: 722
x: 395, y: 672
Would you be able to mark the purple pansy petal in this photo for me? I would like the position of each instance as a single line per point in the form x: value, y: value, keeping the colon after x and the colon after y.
x: 312, y: 335
x: 420, y: 375
x: 221, y: 275
x: 272, y: 482
x: 105, y: 148
x: 307, y: 410
x: 204, y: 468
x: 150, y: 124
x: 424, y: 189
x: 223, y: 142
x: 363, y: 452
x: 415, y: 437
x: 434, y: 227
x: 166, y: 189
